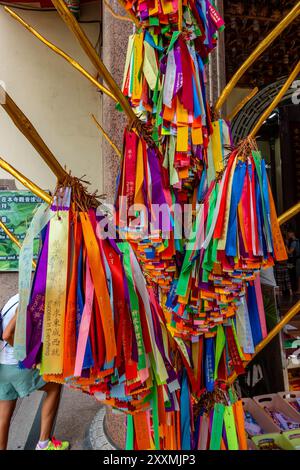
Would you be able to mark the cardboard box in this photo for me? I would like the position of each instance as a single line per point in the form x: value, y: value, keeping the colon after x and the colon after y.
x: 290, y: 397
x: 260, y: 416
x: 276, y: 402
x: 293, y: 437
x: 279, y: 440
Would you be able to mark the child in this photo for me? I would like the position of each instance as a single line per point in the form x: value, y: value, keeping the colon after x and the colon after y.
x: 18, y: 383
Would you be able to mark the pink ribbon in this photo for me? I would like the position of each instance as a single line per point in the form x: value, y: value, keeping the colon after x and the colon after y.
x: 85, y: 322
x: 260, y: 305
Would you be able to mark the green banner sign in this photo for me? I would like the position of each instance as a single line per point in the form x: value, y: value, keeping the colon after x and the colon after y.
x: 16, y: 211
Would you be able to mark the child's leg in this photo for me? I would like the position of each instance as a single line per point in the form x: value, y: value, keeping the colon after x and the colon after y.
x: 6, y: 411
x: 49, y: 409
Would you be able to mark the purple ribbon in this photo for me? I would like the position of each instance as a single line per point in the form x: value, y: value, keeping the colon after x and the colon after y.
x: 36, y: 308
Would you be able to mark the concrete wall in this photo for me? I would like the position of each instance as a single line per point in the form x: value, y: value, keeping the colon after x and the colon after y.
x: 55, y: 97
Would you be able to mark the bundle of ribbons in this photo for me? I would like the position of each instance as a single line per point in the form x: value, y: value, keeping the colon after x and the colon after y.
x: 88, y: 318
x: 149, y: 323
x: 165, y: 79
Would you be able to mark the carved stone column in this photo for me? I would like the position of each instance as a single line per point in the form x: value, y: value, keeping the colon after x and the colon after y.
x: 114, y: 46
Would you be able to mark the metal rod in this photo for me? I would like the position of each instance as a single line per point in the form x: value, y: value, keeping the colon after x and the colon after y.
x: 276, y: 101
x: 61, y: 53
x: 118, y: 151
x: 287, y: 20
x: 12, y: 238
x: 87, y: 46
x: 25, y: 181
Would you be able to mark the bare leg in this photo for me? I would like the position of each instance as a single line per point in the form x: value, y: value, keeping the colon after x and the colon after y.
x: 6, y: 411
x: 49, y: 409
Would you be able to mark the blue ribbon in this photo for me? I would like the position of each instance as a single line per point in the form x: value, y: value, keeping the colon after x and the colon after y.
x: 265, y: 189
x: 149, y: 39
x: 260, y: 217
x: 185, y: 418
x: 254, y: 315
x: 88, y: 357
x: 209, y: 365
x: 236, y: 193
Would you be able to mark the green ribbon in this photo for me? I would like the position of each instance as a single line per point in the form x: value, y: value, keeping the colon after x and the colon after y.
x: 237, y: 341
x: 231, y: 435
x: 210, y: 255
x: 217, y: 427
x: 174, y: 38
x: 155, y: 418
x: 220, y: 344
x: 134, y: 306
x: 130, y: 432
x: 257, y: 161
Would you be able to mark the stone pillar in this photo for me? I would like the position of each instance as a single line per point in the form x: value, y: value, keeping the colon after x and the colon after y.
x: 115, y: 39
x: 114, y: 47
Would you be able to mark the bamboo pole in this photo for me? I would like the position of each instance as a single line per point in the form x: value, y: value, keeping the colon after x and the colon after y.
x: 129, y: 13
x: 276, y: 101
x: 289, y: 214
x: 87, y: 46
x: 287, y: 20
x: 61, y: 53
x: 180, y: 14
x: 118, y: 151
x: 25, y: 181
x: 276, y: 330
x: 13, y: 238
x: 31, y: 134
x: 241, y: 104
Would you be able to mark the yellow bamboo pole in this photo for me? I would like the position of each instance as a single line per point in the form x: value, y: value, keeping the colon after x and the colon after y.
x: 276, y: 101
x: 118, y: 151
x: 25, y: 181
x: 12, y: 238
x: 87, y: 46
x: 276, y: 330
x: 287, y: 20
x: 241, y: 104
x: 180, y: 13
x: 289, y: 214
x: 61, y: 53
x: 31, y: 134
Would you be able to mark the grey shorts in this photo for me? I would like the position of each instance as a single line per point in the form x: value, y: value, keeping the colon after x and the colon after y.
x: 18, y: 383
